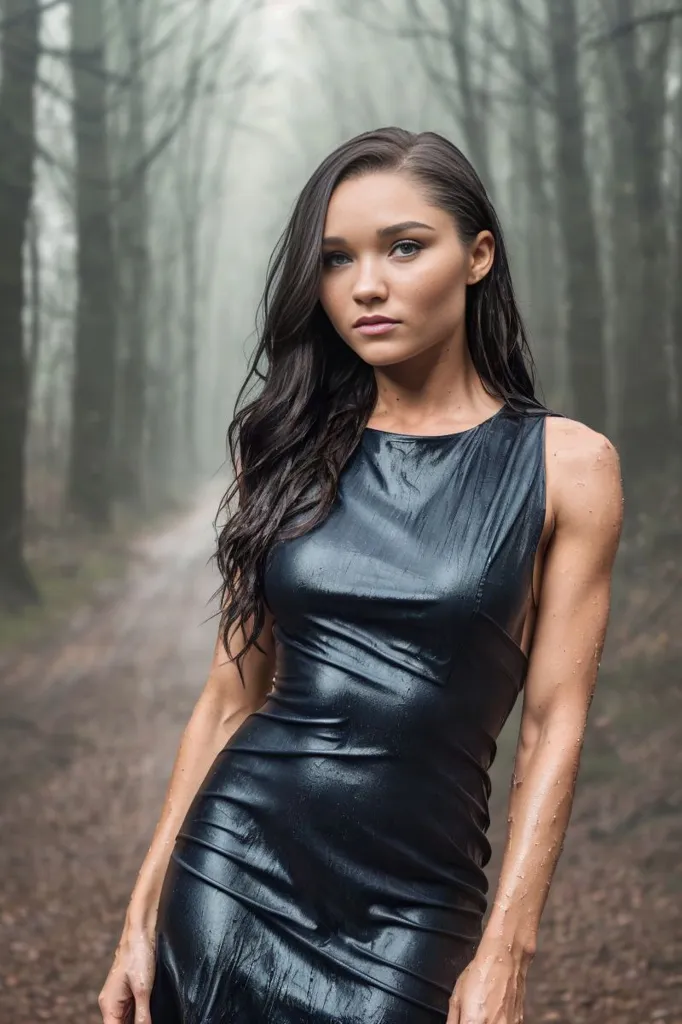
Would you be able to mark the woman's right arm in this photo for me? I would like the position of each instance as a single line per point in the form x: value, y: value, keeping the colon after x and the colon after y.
x: 222, y: 707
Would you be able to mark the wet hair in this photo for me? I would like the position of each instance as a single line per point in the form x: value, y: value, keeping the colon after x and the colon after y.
x: 289, y: 444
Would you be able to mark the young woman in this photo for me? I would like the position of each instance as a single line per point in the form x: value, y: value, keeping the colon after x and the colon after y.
x: 418, y: 540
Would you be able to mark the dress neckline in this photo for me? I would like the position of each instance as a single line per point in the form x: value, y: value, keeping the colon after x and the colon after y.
x: 437, y: 437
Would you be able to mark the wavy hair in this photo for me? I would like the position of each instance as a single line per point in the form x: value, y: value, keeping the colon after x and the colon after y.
x: 289, y: 444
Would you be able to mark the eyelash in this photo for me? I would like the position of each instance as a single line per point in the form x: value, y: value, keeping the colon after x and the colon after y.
x: 326, y: 260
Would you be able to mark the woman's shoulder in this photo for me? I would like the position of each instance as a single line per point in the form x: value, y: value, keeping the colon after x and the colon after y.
x: 567, y: 439
x: 575, y: 443
x: 583, y: 468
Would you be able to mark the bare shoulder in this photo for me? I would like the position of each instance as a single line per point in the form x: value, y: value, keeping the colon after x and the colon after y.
x: 583, y: 478
x: 576, y: 448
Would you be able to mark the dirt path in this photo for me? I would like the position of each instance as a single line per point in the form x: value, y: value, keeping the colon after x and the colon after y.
x: 87, y: 739
x: 88, y: 732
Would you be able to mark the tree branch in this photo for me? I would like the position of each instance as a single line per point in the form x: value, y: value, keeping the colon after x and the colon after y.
x: 654, y: 17
x: 30, y: 12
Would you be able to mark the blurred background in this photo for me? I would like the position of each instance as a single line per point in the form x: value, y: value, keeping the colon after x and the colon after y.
x: 150, y: 152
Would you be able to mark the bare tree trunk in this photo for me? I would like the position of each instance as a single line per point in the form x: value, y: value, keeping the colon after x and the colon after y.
x: 162, y: 434
x: 189, y: 204
x: 90, y: 471
x: 190, y: 184
x: 35, y: 333
x: 17, y: 149
x: 621, y: 229
x: 585, y: 299
x: 131, y: 403
x: 646, y: 417
x: 543, y: 266
x: 676, y: 296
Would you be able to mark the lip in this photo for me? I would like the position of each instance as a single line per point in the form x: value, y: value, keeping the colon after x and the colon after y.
x: 375, y: 324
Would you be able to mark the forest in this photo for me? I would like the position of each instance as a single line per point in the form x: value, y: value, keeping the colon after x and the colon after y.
x: 150, y: 153
x: 136, y: 137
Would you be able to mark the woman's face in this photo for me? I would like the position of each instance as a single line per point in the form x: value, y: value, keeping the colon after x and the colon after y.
x: 388, y: 252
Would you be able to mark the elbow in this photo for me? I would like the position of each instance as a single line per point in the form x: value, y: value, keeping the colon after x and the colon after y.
x: 228, y: 705
x: 558, y: 733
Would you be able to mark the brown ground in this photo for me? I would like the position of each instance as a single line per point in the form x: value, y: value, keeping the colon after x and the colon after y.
x: 89, y: 728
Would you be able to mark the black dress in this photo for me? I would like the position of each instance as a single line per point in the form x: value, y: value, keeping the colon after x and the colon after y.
x: 330, y: 868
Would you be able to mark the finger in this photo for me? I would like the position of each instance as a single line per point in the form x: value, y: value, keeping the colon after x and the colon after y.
x: 115, y: 1011
x: 142, y: 1006
x: 453, y: 1012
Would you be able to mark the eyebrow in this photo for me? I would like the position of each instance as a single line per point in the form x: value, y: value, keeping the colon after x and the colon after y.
x: 393, y: 229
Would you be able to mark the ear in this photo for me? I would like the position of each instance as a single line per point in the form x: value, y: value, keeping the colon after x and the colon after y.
x: 481, y: 256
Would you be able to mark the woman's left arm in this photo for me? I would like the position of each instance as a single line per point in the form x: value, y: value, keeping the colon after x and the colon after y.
x: 584, y: 490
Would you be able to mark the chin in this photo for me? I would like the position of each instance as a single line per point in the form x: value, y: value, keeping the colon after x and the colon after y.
x: 385, y: 353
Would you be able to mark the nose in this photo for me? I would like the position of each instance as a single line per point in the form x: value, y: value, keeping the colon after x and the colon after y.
x: 370, y: 283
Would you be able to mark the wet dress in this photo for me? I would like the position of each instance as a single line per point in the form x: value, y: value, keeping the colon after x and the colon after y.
x: 330, y: 869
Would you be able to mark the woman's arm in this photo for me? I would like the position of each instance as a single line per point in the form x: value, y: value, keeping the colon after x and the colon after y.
x: 222, y: 707
x: 584, y: 491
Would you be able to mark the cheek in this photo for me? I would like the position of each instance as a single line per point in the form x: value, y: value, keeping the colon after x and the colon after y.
x: 439, y: 292
x: 331, y: 299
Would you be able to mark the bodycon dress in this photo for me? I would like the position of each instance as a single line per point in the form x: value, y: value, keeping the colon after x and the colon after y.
x: 330, y: 869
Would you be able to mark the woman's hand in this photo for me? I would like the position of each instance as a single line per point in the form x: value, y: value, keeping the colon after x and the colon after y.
x: 124, y: 998
x: 490, y: 990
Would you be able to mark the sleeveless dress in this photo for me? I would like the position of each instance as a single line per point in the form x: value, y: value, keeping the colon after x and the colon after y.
x: 330, y: 869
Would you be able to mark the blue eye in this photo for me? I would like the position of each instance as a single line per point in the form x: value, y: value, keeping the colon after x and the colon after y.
x: 415, y: 246
x: 328, y: 259
x: 339, y: 259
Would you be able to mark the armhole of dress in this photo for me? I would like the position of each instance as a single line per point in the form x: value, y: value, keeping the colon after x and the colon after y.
x: 543, y: 503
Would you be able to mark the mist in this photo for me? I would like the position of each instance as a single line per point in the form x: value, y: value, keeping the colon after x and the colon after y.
x: 151, y: 152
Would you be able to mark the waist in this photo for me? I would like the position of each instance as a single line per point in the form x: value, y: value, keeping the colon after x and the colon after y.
x: 394, y: 803
x: 355, y: 830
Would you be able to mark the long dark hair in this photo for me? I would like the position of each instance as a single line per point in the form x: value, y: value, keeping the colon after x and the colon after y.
x: 289, y: 444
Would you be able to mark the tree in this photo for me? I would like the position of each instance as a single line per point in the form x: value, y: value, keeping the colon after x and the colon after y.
x: 643, y: 55
x: 17, y: 152
x: 542, y: 260
x: 133, y: 263
x: 584, y: 289
x: 91, y: 467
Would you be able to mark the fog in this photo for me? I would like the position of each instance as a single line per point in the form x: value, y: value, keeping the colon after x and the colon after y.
x: 151, y: 152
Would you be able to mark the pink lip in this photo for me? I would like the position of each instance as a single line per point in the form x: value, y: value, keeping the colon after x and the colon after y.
x: 378, y: 327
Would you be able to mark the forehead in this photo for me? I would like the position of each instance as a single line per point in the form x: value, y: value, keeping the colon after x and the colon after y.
x: 377, y: 199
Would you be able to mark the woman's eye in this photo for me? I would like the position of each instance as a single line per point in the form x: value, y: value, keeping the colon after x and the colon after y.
x: 330, y: 258
x: 414, y: 246
x: 404, y: 248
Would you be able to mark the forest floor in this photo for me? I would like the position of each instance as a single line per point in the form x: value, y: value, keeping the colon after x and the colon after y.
x: 89, y: 727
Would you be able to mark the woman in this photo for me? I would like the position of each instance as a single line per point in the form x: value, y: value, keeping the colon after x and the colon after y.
x: 417, y: 540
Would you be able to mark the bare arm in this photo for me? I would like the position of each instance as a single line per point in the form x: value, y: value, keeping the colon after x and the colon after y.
x: 222, y: 707
x: 224, y: 704
x: 585, y: 492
